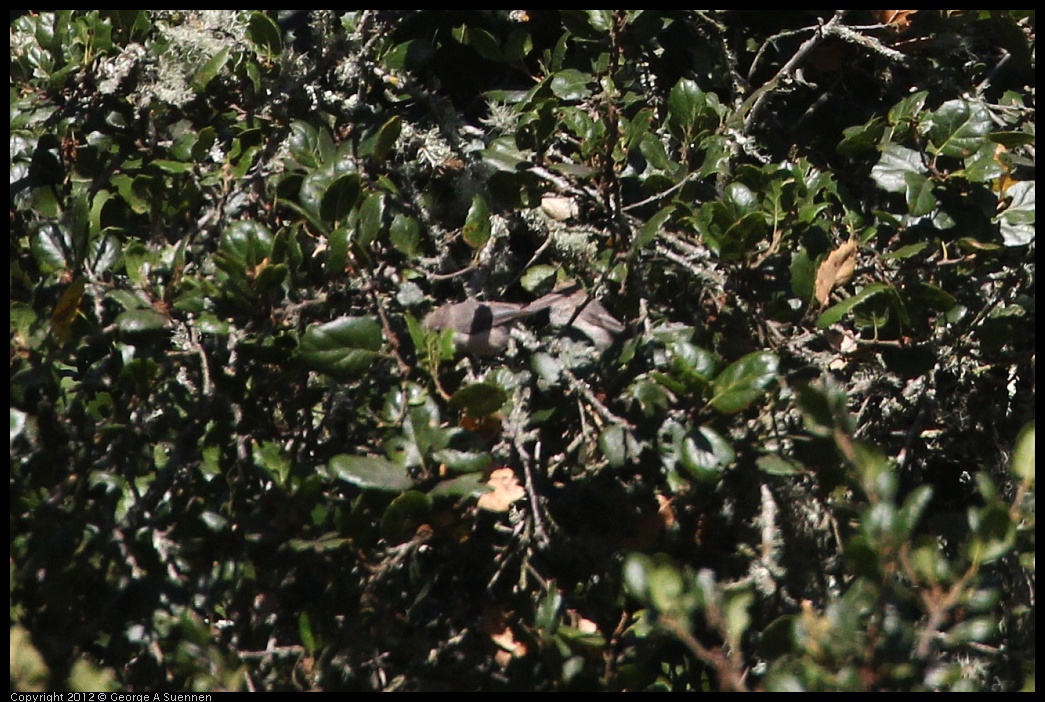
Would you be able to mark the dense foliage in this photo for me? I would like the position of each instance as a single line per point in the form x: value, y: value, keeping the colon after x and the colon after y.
x: 239, y: 461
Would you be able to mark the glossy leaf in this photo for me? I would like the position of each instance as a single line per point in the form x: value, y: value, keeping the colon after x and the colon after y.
x: 1017, y: 220
x: 744, y: 381
x: 959, y: 128
x: 894, y: 166
x: 343, y: 348
x: 404, y: 233
x: 141, y: 320
x: 467, y: 485
x: 838, y: 312
x: 613, y: 446
x: 210, y: 70
x: 1023, y: 456
x: 370, y: 473
x: 477, y: 229
x: 339, y: 197
x: 246, y: 244
x: 404, y: 515
x: 386, y: 137
x: 705, y: 454
x: 479, y: 399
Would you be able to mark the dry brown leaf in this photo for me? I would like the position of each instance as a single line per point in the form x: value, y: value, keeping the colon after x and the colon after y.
x: 901, y: 19
x: 585, y: 626
x: 67, y: 309
x: 506, y: 490
x: 837, y: 269
x: 495, y: 625
x: 1005, y: 181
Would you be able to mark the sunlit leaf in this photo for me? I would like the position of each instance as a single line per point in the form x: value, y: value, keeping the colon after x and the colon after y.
x: 370, y: 473
x: 959, y: 128
x: 892, y: 169
x: 477, y: 229
x: 343, y: 348
x: 744, y: 381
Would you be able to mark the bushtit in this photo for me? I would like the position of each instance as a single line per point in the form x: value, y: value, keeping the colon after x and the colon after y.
x: 483, y: 328
x: 593, y: 320
x: 480, y: 328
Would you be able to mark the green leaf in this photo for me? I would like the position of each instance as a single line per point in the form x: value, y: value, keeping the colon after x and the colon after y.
x: 409, y: 55
x: 463, y: 461
x: 264, y: 33
x: 705, y: 454
x: 906, y: 251
x: 517, y: 46
x: 837, y: 312
x: 667, y: 590
x: 983, y: 165
x: 344, y: 348
x: 959, y: 128
x: 370, y: 473
x: 1017, y: 220
x: 571, y: 85
x: 858, y: 140
x: 737, y: 619
x: 503, y: 155
x: 613, y: 446
x: 650, y: 397
x: 141, y: 320
x: 337, y: 253
x: 476, y: 231
x: 339, y: 197
x: 404, y: 233
x: 684, y: 102
x: 549, y: 611
x: 308, y: 640
x: 744, y: 381
x: 304, y: 144
x: 175, y: 167
x: 479, y: 399
x: 29, y: 671
x: 386, y: 137
x: 1023, y: 455
x: 890, y: 173
x: 371, y: 218
x: 652, y: 228
x: 635, y: 576
x: 50, y: 246
x: 803, y: 275
x: 921, y: 200
x: 210, y: 70
x: 774, y: 464
x: 404, y: 515
x: 467, y: 485
x: 246, y: 244
x: 539, y: 278
x: 590, y: 24
x: 136, y: 191
x: 908, y: 109
x: 270, y: 457
x: 913, y: 508
x: 481, y: 40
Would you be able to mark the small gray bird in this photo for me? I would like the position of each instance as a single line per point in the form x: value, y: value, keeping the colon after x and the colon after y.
x: 484, y: 328
x: 593, y: 320
x: 480, y: 328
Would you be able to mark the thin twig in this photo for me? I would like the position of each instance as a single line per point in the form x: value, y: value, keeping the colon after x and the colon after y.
x: 758, y: 99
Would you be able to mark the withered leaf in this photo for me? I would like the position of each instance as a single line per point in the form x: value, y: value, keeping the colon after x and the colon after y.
x: 506, y: 490
x: 837, y: 269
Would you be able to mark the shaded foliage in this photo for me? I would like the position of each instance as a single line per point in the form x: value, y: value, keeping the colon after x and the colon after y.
x: 239, y: 461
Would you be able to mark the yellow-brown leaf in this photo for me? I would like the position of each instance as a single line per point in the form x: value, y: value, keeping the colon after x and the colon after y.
x: 837, y: 269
